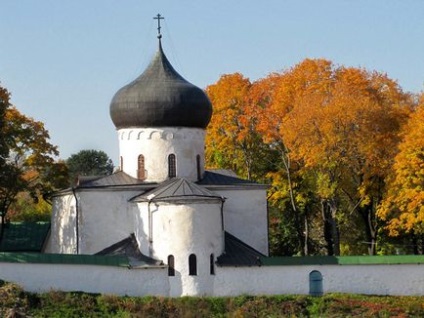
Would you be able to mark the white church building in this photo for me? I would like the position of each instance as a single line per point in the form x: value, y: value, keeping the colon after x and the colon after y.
x: 162, y: 207
x: 163, y: 225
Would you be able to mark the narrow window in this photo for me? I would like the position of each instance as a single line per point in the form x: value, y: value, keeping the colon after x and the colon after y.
x: 212, y: 265
x: 141, y: 171
x: 199, y: 170
x: 121, y: 163
x: 192, y: 265
x: 171, y: 265
x: 172, y: 166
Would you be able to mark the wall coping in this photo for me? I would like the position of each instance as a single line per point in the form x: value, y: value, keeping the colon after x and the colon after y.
x: 74, y: 259
x: 342, y: 260
x: 123, y: 261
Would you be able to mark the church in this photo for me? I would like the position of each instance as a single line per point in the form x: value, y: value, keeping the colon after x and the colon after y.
x: 162, y: 225
x: 162, y: 208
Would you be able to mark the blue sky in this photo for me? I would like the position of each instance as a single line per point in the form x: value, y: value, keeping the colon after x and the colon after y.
x: 64, y: 60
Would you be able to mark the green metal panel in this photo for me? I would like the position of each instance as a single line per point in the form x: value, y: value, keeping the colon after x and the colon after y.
x: 24, y: 236
x: 342, y: 260
x: 38, y: 258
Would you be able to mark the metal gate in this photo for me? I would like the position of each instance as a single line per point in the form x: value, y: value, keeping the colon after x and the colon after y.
x: 315, y: 283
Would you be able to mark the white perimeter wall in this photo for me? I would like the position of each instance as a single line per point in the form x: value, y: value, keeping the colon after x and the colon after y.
x: 358, y: 279
x: 86, y: 278
x: 269, y: 280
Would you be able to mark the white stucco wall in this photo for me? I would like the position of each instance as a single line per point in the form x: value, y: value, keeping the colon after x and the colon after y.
x: 358, y: 279
x: 87, y: 278
x: 62, y: 237
x: 105, y: 218
x: 155, y: 144
x: 229, y: 281
x: 246, y: 215
x: 181, y: 230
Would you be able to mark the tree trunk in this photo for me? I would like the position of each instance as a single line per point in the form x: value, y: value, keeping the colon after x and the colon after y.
x: 2, y: 215
x: 335, y: 233
x: 331, y: 229
x: 327, y: 228
x: 417, y: 244
x: 368, y: 216
x: 303, y: 234
x: 306, y: 242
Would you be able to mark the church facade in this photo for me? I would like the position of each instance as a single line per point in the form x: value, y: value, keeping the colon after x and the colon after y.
x: 162, y: 208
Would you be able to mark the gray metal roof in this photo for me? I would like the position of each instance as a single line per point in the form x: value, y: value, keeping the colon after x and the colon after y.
x: 129, y: 247
x: 177, y: 189
x: 115, y: 179
x: 121, y: 180
x: 223, y: 177
x: 238, y: 253
x: 160, y: 97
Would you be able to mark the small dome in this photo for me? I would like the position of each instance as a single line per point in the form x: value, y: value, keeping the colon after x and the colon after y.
x: 160, y: 97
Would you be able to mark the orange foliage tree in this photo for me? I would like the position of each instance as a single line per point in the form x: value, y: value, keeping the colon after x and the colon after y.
x: 341, y: 125
x: 232, y: 140
x: 303, y: 83
x: 333, y: 132
x: 403, y: 207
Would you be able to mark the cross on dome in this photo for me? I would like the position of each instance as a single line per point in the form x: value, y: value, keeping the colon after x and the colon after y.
x: 159, y: 17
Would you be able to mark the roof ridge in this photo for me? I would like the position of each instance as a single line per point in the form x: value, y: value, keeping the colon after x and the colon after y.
x: 176, y: 188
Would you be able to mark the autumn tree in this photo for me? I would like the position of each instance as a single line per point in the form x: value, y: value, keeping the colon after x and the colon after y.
x: 277, y: 96
x: 26, y: 209
x: 89, y: 163
x: 28, y: 164
x: 333, y: 132
x: 339, y: 125
x: 403, y: 207
x: 232, y: 141
x: 4, y: 105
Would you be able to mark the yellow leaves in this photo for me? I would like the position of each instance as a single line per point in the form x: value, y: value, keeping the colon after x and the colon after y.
x: 338, y: 127
x: 404, y: 204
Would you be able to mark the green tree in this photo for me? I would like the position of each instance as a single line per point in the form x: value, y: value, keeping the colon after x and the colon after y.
x: 89, y: 163
x: 26, y: 209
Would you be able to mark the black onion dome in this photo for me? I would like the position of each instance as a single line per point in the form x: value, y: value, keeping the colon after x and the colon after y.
x: 160, y: 97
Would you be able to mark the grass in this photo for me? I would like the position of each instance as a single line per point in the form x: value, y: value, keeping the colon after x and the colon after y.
x: 14, y: 302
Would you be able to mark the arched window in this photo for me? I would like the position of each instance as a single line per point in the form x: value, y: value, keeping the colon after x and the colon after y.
x: 172, y: 166
x: 192, y: 265
x: 171, y: 265
x: 212, y: 265
x: 199, y: 170
x: 121, y: 163
x: 141, y: 171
